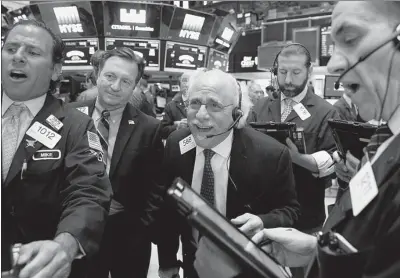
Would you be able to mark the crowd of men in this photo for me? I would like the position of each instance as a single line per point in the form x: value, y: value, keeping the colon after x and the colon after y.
x: 84, y: 183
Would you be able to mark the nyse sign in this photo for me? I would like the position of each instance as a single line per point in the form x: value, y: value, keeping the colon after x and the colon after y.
x: 68, y: 19
x: 248, y: 62
x: 189, y: 34
x: 191, y: 27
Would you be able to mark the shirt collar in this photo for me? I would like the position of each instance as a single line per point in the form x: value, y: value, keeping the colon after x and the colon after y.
x: 34, y: 105
x: 223, y: 149
x: 394, y: 122
x: 299, y: 97
x: 113, y: 113
x: 347, y: 99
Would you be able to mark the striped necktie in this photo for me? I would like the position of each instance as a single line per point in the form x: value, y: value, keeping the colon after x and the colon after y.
x: 288, y: 104
x: 9, y: 138
x: 103, y: 129
x: 207, y: 183
x: 381, y: 135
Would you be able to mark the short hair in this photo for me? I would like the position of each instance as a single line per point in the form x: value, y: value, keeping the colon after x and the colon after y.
x: 270, y: 88
x: 143, y: 83
x: 92, y: 77
x: 246, y: 103
x: 295, y: 49
x: 253, y: 87
x: 95, y: 60
x: 58, y: 44
x: 124, y: 53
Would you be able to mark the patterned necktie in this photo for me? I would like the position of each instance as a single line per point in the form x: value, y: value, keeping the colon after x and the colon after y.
x: 10, y: 132
x: 207, y: 184
x: 288, y: 104
x: 103, y: 129
x: 381, y: 135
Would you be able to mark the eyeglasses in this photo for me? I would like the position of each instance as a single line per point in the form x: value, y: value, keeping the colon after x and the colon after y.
x: 211, y: 106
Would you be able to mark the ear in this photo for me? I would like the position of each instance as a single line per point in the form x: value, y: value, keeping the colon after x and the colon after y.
x: 56, y: 72
x: 310, y: 71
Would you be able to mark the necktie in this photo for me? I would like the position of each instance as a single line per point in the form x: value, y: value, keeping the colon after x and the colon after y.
x: 354, y: 110
x: 103, y: 129
x: 10, y: 136
x: 288, y: 104
x: 207, y: 184
x: 381, y: 135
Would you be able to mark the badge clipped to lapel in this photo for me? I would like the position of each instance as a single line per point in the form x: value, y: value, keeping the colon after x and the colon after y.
x: 187, y: 144
x: 83, y: 109
x: 363, y: 188
x: 301, y: 111
x: 44, y: 135
x: 54, y: 122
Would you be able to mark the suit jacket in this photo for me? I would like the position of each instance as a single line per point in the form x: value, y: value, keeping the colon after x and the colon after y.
x: 345, y: 112
x: 174, y: 111
x: 318, y: 137
x: 261, y: 182
x: 375, y: 232
x: 70, y: 194
x: 135, y: 165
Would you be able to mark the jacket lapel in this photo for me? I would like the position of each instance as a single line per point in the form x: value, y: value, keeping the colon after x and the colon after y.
x: 25, y: 151
x: 125, y: 131
x: 275, y: 110
x: 181, y: 108
x: 307, y: 101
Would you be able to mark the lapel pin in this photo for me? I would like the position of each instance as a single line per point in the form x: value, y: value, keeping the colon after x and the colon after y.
x: 131, y: 122
x: 30, y: 143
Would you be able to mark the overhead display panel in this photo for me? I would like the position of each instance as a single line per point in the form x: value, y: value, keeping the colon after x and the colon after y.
x: 148, y: 49
x: 218, y: 60
x: 78, y: 53
x: 68, y: 19
x: 182, y: 57
x: 127, y: 19
x: 327, y: 45
x: 190, y: 26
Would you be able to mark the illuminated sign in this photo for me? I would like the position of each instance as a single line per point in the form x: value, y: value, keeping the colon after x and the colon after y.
x: 218, y: 60
x: 180, y: 57
x: 78, y: 52
x: 221, y: 42
x: 227, y: 34
x: 68, y: 19
x: 133, y: 16
x: 249, y: 62
x: 20, y: 17
x: 191, y: 27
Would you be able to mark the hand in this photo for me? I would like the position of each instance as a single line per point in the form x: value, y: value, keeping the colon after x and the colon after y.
x: 182, y: 124
x: 352, y: 164
x: 250, y: 223
x: 289, y: 246
x: 169, y: 272
x: 292, y: 146
x: 45, y: 258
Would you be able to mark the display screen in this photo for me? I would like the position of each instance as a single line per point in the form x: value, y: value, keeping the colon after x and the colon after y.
x: 190, y: 26
x: 69, y: 19
x: 78, y: 52
x: 330, y: 91
x: 180, y: 57
x: 245, y: 62
x: 126, y: 19
x: 326, y: 45
x: 218, y: 60
x: 148, y: 49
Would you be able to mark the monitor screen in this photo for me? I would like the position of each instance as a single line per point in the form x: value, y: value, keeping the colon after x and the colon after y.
x: 147, y: 49
x: 69, y: 20
x: 330, y: 92
x: 79, y: 51
x: 190, y: 26
x: 127, y: 19
x: 218, y: 60
x: 326, y: 45
x: 181, y: 57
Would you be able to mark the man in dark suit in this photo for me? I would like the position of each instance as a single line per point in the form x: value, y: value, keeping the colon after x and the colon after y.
x: 368, y: 222
x: 174, y: 116
x: 347, y: 109
x: 134, y: 153
x: 298, y: 104
x: 55, y: 191
x: 244, y: 174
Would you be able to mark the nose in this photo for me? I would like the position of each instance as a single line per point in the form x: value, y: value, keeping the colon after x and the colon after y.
x: 116, y: 85
x: 337, y: 64
x: 288, y: 78
x: 202, y: 114
x: 19, y: 56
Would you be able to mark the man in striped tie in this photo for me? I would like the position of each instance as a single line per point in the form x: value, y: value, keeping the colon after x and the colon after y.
x: 367, y: 215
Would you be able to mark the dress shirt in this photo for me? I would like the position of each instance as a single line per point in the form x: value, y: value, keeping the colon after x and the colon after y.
x: 33, y: 105
x: 220, y: 166
x: 394, y: 126
x: 323, y: 159
x: 115, y: 120
x: 350, y: 103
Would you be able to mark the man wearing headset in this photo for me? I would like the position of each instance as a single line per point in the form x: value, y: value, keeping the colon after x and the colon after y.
x: 244, y: 174
x: 366, y: 36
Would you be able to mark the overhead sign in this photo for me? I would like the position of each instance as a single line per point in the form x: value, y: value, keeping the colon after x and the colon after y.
x: 78, y: 52
x: 124, y: 19
x: 249, y: 62
x: 227, y: 34
x: 218, y: 60
x: 179, y: 57
x: 68, y: 19
x: 190, y: 26
x: 245, y: 62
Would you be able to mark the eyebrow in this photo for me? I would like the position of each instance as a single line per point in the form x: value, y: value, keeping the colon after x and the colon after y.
x: 15, y: 43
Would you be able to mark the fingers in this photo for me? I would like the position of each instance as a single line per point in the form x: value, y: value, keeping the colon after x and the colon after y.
x: 241, y: 219
x: 352, y: 162
x: 36, y: 265
x: 259, y: 237
x: 27, y: 252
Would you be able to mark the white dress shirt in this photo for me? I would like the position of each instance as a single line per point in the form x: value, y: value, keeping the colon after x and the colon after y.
x: 220, y: 166
x: 26, y: 117
x: 325, y: 163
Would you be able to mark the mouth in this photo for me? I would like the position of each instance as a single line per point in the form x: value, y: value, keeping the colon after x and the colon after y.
x: 18, y: 75
x: 203, y: 129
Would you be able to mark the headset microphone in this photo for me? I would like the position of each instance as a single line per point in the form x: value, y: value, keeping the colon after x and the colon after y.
x: 229, y: 128
x: 395, y: 38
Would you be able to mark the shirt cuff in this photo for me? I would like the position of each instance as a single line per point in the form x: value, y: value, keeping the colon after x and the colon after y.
x: 324, y: 163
